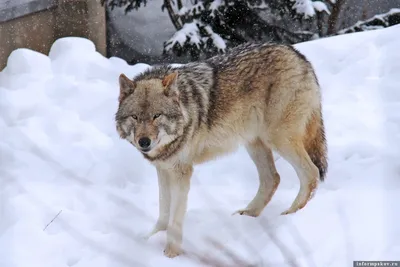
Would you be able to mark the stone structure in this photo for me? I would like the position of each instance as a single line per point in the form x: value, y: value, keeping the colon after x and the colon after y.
x: 36, y: 24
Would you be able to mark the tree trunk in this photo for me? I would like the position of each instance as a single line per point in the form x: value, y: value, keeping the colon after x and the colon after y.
x: 333, y: 18
x: 320, y: 24
x: 172, y: 15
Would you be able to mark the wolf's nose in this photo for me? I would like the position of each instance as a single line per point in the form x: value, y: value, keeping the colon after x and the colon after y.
x: 144, y: 142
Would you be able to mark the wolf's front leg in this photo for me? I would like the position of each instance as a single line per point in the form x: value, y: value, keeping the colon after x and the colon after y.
x: 164, y: 202
x: 180, y: 185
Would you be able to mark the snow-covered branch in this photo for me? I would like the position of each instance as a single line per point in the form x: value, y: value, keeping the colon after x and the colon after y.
x: 308, y: 8
x: 189, y: 33
x: 376, y: 22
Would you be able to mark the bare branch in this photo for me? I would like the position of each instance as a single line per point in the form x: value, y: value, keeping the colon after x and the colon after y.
x: 52, y: 220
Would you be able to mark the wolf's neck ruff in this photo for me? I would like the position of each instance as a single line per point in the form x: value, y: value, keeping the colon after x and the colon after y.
x: 170, y: 149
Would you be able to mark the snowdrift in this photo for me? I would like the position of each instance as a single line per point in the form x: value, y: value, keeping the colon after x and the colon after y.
x: 61, y: 160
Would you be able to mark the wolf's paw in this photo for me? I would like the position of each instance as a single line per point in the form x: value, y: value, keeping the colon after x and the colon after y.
x: 286, y: 212
x: 290, y: 210
x: 157, y: 228
x: 294, y: 208
x: 172, y: 250
x: 248, y: 212
x: 300, y: 202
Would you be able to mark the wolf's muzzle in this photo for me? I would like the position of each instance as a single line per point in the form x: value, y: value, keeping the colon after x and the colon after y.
x: 144, y: 144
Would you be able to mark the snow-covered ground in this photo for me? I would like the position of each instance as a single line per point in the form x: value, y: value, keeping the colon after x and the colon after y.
x: 60, y: 154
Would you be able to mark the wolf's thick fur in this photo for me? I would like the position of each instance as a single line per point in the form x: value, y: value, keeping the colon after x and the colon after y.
x: 263, y: 96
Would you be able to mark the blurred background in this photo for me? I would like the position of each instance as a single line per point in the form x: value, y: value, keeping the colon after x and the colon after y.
x: 157, y: 31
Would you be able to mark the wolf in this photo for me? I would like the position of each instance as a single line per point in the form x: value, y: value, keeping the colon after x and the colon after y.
x: 265, y: 97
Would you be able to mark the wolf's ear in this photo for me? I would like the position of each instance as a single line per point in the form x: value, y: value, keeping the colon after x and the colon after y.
x: 169, y: 83
x: 126, y: 87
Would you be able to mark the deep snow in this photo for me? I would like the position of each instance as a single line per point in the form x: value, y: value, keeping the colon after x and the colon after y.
x: 59, y: 151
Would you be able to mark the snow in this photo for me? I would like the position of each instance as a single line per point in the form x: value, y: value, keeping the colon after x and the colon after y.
x: 183, y: 11
x: 394, y: 11
x: 320, y: 6
x: 304, y: 7
x: 195, y: 9
x: 307, y: 7
x: 27, y: 61
x: 218, y: 42
x: 60, y: 154
x: 188, y: 30
x: 215, y: 5
x: 191, y: 30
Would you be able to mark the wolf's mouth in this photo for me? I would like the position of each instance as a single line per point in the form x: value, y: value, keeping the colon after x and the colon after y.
x: 145, y: 150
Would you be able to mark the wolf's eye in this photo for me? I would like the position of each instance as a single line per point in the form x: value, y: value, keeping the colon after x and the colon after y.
x: 156, y: 116
x: 134, y: 117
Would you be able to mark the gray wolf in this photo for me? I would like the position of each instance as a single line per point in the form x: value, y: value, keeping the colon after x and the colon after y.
x: 265, y: 97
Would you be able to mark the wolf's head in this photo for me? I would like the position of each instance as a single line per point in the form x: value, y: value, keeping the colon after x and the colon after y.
x: 149, y: 114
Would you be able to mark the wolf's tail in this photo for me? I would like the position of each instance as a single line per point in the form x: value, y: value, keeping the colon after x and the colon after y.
x: 315, y: 143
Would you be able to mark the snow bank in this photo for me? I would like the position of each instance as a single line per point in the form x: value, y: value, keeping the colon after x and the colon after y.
x: 60, y: 154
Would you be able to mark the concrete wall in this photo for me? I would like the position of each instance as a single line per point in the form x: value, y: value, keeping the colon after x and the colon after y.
x: 36, y: 24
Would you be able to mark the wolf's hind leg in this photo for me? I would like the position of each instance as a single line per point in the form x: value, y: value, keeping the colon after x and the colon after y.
x: 268, y: 177
x: 294, y: 152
